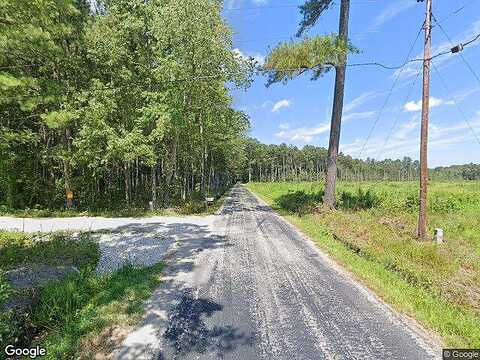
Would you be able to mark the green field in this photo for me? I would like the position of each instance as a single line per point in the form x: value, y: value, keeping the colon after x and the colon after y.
x: 372, y: 234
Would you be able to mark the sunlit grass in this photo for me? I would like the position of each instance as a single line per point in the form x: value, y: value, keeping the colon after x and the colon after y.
x: 437, y: 284
x: 82, y: 316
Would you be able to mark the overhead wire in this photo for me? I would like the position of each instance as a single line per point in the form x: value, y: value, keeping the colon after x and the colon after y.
x: 397, y: 117
x: 267, y: 7
x: 475, y: 75
x: 457, y: 11
x: 460, y: 110
x: 387, y: 99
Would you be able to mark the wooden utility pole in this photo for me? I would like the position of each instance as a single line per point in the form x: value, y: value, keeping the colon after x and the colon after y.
x: 336, y: 123
x: 422, y: 216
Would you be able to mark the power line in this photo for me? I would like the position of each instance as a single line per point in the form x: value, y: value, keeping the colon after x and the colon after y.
x: 390, y: 92
x: 390, y: 67
x: 397, y: 117
x: 460, y: 48
x: 371, y: 63
x: 465, y: 118
x: 353, y: 65
x: 457, y: 11
x: 267, y: 7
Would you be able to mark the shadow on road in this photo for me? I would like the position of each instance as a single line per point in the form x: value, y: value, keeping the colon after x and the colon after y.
x: 176, y: 325
x: 187, y: 332
x: 147, y: 244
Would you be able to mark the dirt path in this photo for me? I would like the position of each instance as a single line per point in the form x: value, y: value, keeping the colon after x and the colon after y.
x: 252, y: 287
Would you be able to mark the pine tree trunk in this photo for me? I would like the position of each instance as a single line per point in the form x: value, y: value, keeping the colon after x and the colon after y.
x: 333, y: 147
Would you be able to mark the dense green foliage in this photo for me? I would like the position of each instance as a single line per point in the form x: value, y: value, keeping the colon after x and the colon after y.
x: 373, y: 235
x: 121, y: 107
x: 289, y: 163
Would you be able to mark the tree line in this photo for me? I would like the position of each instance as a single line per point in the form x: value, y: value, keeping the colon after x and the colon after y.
x: 283, y: 162
x: 118, y: 105
x: 129, y: 102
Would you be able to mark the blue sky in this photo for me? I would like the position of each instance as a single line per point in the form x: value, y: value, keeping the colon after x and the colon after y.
x: 299, y: 112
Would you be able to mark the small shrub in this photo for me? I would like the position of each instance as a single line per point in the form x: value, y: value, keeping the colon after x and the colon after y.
x: 192, y: 207
x: 9, y: 329
x: 436, y: 203
x: 442, y: 204
x: 412, y: 201
x: 361, y: 200
x: 299, y: 201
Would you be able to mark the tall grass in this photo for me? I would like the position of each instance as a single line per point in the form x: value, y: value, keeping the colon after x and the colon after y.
x: 373, y: 234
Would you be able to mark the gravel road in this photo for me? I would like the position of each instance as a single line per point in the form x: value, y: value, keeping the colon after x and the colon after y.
x: 138, y: 241
x: 250, y: 286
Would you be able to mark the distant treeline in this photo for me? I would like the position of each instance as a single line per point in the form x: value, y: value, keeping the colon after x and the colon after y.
x: 289, y: 163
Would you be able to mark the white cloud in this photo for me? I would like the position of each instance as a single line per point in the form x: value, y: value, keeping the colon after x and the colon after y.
x: 257, y: 57
x: 360, y: 100
x: 266, y: 104
x: 406, y: 143
x: 281, y: 104
x: 358, y: 115
x: 307, y: 135
x: 231, y: 4
x: 414, y: 106
x: 303, y: 134
x: 406, y: 129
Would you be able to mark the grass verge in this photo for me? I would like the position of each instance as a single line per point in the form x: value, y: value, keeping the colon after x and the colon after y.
x: 436, y: 284
x: 88, y: 316
x: 82, y: 316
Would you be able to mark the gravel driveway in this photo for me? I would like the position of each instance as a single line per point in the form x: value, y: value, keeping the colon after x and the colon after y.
x: 139, y: 241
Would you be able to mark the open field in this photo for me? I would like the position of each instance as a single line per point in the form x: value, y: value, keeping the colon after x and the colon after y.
x: 372, y: 235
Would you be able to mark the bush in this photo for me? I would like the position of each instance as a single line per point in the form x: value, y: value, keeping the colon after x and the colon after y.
x: 437, y: 203
x: 442, y: 204
x: 9, y: 329
x: 299, y: 201
x: 361, y: 200
x: 193, y: 207
x: 412, y: 201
